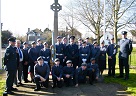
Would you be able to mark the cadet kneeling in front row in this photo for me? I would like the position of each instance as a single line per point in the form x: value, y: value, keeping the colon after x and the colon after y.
x: 57, y: 72
x: 41, y: 73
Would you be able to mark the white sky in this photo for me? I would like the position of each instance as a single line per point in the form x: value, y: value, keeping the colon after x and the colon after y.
x: 19, y: 15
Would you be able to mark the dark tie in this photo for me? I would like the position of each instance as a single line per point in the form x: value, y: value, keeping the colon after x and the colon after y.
x: 20, y: 54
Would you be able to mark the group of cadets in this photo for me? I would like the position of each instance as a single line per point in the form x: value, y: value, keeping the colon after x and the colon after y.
x: 74, y: 62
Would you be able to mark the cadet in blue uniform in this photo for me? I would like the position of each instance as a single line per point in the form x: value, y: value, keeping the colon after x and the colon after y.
x: 81, y: 73
x: 94, y: 68
x: 80, y: 41
x: 68, y: 73
x: 125, y: 51
x: 39, y: 45
x: 102, y: 58
x: 57, y: 72
x: 84, y: 53
x: 95, y: 52
x: 72, y: 52
x: 33, y: 55
x: 41, y: 72
x: 111, y: 51
x: 88, y: 44
x: 25, y: 61
x: 10, y: 63
x: 60, y: 50
x: 46, y: 52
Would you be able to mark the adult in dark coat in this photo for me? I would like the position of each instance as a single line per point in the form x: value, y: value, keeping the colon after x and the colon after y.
x: 111, y: 51
x: 39, y: 45
x: 41, y: 73
x: 33, y: 55
x: 102, y: 58
x: 46, y: 53
x: 68, y: 73
x: 95, y: 52
x: 60, y: 50
x: 125, y: 51
x: 25, y: 61
x: 10, y: 63
x: 72, y: 52
x: 57, y: 72
x: 84, y: 53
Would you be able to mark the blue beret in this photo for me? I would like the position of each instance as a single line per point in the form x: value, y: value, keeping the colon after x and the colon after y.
x: 12, y: 39
x: 94, y: 42
x: 87, y: 38
x: 124, y: 32
x: 58, y: 37
x: 83, y: 64
x: 92, y: 59
x: 72, y: 37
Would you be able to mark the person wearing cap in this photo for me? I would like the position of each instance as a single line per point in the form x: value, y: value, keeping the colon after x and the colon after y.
x: 60, y: 49
x: 111, y: 52
x: 94, y: 68
x: 84, y: 53
x: 125, y: 51
x: 95, y: 52
x: 57, y: 72
x: 72, y: 52
x: 25, y: 61
x: 39, y: 45
x: 41, y: 73
x: 102, y: 58
x: 33, y: 55
x: 80, y: 74
x: 80, y: 41
x: 88, y: 43
x: 46, y: 52
x: 68, y: 73
x: 10, y: 64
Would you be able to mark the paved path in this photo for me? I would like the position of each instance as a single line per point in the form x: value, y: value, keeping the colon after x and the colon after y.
x: 97, y: 89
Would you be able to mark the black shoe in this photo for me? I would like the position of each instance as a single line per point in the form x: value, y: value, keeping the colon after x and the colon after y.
x: 120, y: 76
x: 20, y: 83
x: 27, y: 81
x: 9, y: 92
x: 14, y: 89
x: 91, y: 83
x: 37, y: 89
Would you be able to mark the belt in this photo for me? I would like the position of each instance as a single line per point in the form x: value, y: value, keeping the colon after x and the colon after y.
x: 84, y: 54
x: 59, y: 54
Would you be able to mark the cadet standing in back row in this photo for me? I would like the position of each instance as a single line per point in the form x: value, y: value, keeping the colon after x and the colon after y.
x: 125, y: 51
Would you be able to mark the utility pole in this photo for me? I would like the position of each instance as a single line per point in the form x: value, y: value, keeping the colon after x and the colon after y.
x: 0, y: 39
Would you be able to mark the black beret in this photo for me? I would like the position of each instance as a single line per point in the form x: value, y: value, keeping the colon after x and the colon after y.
x: 12, y: 39
x: 25, y: 43
x: 72, y: 37
x: 79, y: 39
x: 87, y: 37
x: 40, y: 58
x: 33, y: 42
x: 92, y: 59
x: 124, y: 32
x: 69, y: 61
x: 83, y: 64
x: 57, y: 59
x: 83, y: 42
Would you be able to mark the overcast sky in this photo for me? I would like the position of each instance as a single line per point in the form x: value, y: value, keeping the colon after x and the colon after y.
x: 19, y: 15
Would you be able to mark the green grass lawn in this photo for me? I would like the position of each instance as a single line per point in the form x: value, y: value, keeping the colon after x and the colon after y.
x: 2, y: 83
x: 130, y: 84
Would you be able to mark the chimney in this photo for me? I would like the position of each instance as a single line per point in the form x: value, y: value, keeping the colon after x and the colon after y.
x: 28, y: 29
